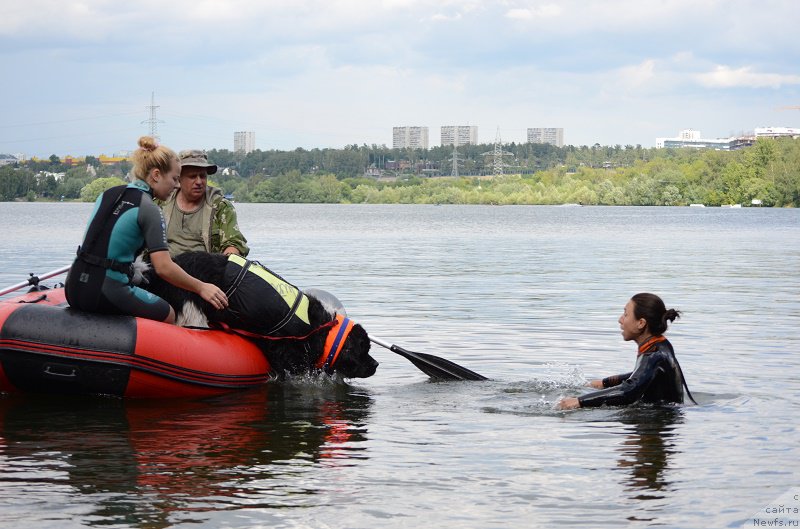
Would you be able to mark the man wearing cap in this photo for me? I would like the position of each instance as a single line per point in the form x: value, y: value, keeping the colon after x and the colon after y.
x: 198, y: 216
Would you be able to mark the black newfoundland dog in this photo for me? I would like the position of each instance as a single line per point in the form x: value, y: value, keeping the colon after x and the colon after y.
x: 296, y: 332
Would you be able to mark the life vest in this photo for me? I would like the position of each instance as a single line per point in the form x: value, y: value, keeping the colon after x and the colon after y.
x: 261, y: 301
x: 89, y: 269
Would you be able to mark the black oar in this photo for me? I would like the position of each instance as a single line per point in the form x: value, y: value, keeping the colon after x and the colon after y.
x: 433, y: 366
x: 34, y: 280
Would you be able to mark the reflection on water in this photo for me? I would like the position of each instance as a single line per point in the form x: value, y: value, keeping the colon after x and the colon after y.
x: 153, y: 460
x: 649, y: 443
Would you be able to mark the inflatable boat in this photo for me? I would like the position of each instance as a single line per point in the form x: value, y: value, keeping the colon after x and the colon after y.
x: 47, y: 347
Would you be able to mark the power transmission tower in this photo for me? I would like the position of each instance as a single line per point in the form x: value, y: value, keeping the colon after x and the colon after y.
x: 498, y: 155
x: 456, y: 157
x: 153, y: 121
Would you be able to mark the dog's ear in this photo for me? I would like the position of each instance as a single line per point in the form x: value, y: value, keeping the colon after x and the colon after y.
x: 361, y: 337
x: 316, y: 311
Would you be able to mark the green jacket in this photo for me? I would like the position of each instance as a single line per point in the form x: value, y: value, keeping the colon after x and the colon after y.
x: 220, y: 228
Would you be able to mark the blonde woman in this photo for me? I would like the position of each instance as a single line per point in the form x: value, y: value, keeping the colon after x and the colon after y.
x: 124, y: 222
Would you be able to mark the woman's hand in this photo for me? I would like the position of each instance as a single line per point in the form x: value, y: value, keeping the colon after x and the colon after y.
x: 596, y: 384
x: 568, y: 403
x: 213, y: 295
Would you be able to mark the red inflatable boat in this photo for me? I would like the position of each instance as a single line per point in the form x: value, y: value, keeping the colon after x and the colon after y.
x: 47, y: 347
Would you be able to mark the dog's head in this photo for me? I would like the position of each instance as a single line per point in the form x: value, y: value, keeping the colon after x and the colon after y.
x: 346, y: 350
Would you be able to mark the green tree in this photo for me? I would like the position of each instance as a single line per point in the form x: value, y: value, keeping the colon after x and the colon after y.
x: 46, y: 185
x: 15, y: 183
x: 330, y: 190
x: 92, y: 190
x: 72, y: 183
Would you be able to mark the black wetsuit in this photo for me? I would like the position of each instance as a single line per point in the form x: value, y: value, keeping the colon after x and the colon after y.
x: 657, y: 378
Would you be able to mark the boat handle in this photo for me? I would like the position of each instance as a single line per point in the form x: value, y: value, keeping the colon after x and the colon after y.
x: 72, y: 371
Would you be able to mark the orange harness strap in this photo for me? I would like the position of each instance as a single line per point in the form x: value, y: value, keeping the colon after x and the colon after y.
x: 335, y: 342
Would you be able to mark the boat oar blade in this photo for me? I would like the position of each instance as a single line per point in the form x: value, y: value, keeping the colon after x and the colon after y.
x: 431, y: 369
x: 435, y: 367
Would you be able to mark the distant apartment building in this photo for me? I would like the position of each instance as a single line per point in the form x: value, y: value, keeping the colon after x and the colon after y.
x: 459, y: 135
x: 244, y: 141
x: 692, y: 139
x: 551, y: 135
x: 409, y: 137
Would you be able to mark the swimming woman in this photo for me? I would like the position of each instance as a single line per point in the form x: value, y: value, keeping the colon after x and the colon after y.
x: 125, y: 221
x: 657, y: 376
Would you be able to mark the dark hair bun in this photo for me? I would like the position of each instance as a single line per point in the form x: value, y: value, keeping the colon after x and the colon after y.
x: 671, y: 315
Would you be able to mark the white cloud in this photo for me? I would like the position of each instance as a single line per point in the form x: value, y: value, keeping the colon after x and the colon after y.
x: 639, y: 74
x: 441, y: 17
x: 531, y: 13
x: 744, y: 77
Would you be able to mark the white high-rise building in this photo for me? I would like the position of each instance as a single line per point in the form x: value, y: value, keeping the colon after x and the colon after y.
x: 551, y: 135
x: 409, y: 137
x: 244, y: 141
x: 459, y: 135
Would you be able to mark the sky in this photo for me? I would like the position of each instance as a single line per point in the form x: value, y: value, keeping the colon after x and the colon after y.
x: 77, y: 76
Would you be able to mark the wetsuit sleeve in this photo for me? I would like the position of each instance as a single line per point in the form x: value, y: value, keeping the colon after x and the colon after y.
x: 226, y: 231
x: 154, y: 229
x: 628, y: 391
x: 615, y: 380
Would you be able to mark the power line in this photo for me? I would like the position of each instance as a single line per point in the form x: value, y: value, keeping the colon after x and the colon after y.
x: 39, y: 123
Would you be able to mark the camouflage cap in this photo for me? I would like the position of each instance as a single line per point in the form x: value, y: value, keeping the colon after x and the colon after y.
x: 196, y: 158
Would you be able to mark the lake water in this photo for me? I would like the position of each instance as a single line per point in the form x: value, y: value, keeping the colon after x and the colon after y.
x: 527, y: 296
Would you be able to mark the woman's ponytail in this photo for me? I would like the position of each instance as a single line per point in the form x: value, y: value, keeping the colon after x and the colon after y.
x: 652, y: 309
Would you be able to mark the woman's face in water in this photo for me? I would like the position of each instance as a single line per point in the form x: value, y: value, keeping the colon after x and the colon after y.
x: 631, y: 327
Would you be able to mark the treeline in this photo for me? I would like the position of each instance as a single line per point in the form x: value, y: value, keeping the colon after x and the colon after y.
x: 768, y: 171
x: 534, y: 174
x: 38, y: 180
x: 354, y: 160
